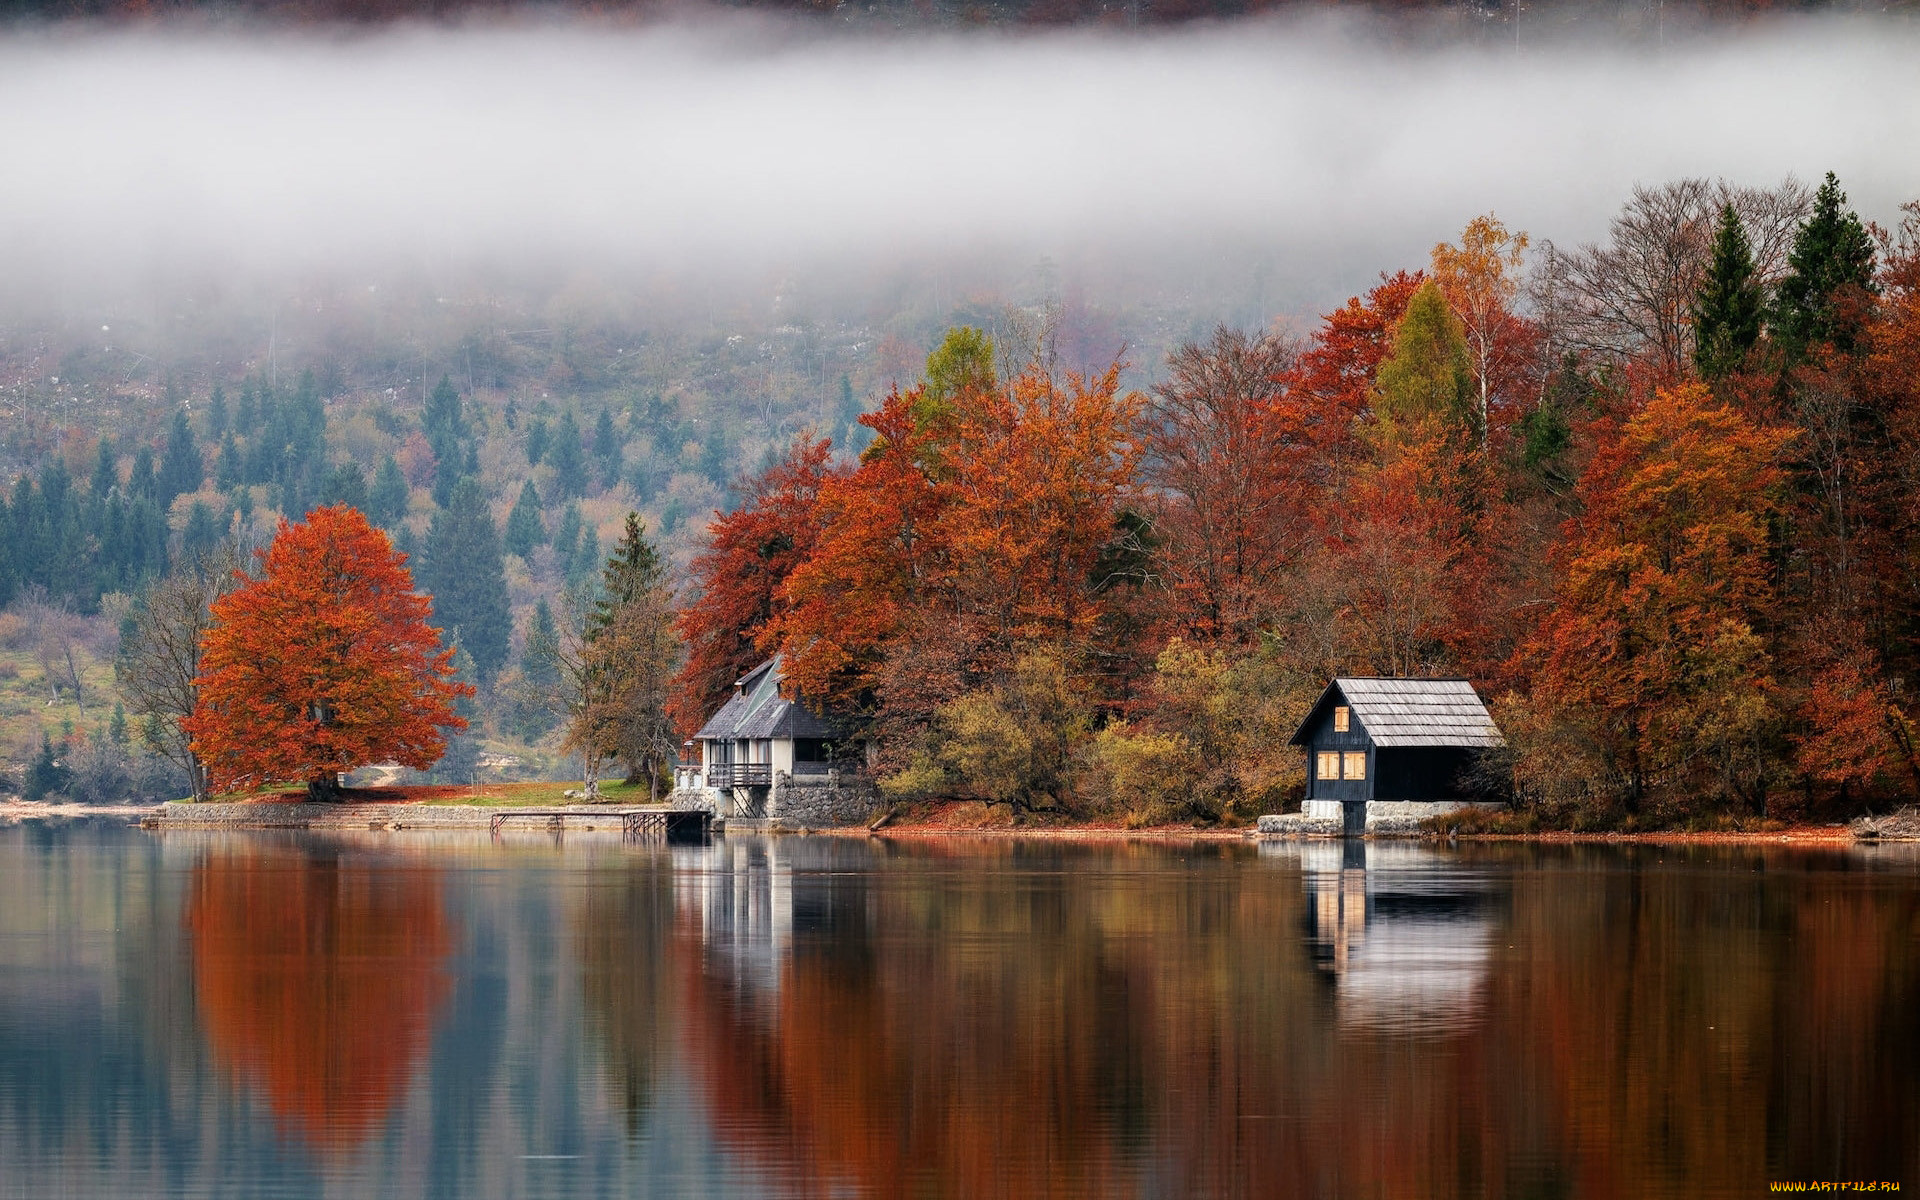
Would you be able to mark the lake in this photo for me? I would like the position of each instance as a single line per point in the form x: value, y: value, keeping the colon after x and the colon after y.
x: 256, y: 1015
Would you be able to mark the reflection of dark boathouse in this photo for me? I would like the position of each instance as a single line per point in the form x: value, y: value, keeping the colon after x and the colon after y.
x: 1392, y: 748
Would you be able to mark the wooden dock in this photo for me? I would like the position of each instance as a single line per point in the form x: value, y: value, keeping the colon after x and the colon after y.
x: 666, y: 823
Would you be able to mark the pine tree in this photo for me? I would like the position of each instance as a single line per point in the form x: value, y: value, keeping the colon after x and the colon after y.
x: 106, y: 471
x: 566, y: 536
x: 539, y: 437
x: 1728, y: 309
x: 140, y: 481
x: 631, y: 573
x: 217, y: 414
x: 524, y: 528
x: 387, y: 499
x: 202, y: 533
x: 443, y: 417
x: 628, y: 662
x: 607, y: 449
x: 346, y: 484
x: 227, y: 467
x: 567, y: 457
x: 586, y: 559
x: 532, y: 713
x: 246, y: 414
x: 467, y: 578
x: 182, y: 470
x: 1832, y: 253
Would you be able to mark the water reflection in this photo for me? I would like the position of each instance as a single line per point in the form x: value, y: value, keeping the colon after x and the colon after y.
x: 440, y: 1016
x: 318, y: 976
x: 1406, y: 934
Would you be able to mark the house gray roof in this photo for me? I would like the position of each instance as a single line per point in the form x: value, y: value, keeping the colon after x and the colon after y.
x: 758, y: 710
x: 1411, y: 712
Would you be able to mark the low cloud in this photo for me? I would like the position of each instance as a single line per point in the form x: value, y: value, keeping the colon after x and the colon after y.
x: 1325, y: 151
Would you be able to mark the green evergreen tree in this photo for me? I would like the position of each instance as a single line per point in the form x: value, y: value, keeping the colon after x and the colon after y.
x: 633, y: 572
x: 586, y: 560
x: 566, y: 536
x: 117, y: 727
x: 217, y: 414
x: 443, y: 417
x: 227, y: 466
x: 532, y: 717
x: 246, y: 415
x: 524, y: 528
x: 48, y: 774
x: 1832, y: 253
x: 467, y: 578
x: 538, y: 438
x: 1428, y: 376
x: 607, y: 450
x: 461, y: 762
x: 346, y: 484
x: 1728, y: 310
x: 106, y: 470
x: 203, y: 531
x: 387, y: 499
x: 140, y: 481
x: 567, y: 457
x: 181, y: 470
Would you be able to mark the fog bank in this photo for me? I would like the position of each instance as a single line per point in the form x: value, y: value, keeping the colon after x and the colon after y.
x: 746, y: 146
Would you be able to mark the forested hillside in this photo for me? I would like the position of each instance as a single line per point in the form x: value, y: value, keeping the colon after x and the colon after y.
x: 1652, y: 494
x: 501, y: 439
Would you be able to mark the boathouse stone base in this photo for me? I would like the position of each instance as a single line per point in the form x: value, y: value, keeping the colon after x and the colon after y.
x: 1322, y: 817
x: 829, y: 801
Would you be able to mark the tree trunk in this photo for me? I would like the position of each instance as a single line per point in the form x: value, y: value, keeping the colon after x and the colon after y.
x: 324, y: 789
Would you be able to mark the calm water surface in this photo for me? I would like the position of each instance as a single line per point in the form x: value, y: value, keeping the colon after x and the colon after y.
x: 258, y: 1015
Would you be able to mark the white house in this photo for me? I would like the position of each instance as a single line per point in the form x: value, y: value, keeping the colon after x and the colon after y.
x: 761, y: 737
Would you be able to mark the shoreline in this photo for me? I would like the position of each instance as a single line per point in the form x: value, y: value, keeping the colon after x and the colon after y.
x: 400, y: 817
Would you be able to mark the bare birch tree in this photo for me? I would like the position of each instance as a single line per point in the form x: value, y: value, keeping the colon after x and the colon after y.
x: 159, y: 665
x: 1633, y: 296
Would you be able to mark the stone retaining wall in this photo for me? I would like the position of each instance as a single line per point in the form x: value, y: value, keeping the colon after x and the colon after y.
x: 179, y: 815
x: 822, y: 801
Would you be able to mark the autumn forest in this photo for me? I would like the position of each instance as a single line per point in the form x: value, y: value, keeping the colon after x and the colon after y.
x: 1653, y: 495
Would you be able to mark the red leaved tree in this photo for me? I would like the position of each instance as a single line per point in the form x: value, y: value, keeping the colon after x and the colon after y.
x: 750, y: 552
x: 1653, y: 639
x: 323, y: 664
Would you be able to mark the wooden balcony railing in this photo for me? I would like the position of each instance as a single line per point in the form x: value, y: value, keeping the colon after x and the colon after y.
x: 725, y: 775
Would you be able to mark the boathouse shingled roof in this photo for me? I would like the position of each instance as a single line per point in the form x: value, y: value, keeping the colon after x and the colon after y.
x: 758, y: 710
x: 1411, y: 712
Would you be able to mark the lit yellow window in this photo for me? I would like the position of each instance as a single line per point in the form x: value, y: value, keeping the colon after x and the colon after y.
x: 1329, y: 765
x: 1342, y: 719
x: 1355, y: 764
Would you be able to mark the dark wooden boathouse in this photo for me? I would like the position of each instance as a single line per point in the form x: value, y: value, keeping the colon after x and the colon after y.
x: 1401, y: 741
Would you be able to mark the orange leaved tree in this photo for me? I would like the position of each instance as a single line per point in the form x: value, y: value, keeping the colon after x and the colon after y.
x: 323, y: 663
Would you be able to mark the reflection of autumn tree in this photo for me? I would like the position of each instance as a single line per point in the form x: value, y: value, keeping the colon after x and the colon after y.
x: 1682, y: 1031
x: 625, y: 980
x: 318, y: 978
x: 1158, y: 1027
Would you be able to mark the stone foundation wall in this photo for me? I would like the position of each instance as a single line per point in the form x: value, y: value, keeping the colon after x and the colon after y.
x: 703, y: 799
x: 822, y: 801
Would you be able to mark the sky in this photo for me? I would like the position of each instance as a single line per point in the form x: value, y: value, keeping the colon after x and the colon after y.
x: 1322, y: 152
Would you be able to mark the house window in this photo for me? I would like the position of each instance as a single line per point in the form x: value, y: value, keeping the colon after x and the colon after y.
x: 1342, y: 719
x: 1329, y: 764
x: 1354, y: 764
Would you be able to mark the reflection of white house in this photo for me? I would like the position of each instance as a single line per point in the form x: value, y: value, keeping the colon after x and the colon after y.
x: 1405, y: 932
x: 763, y: 741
